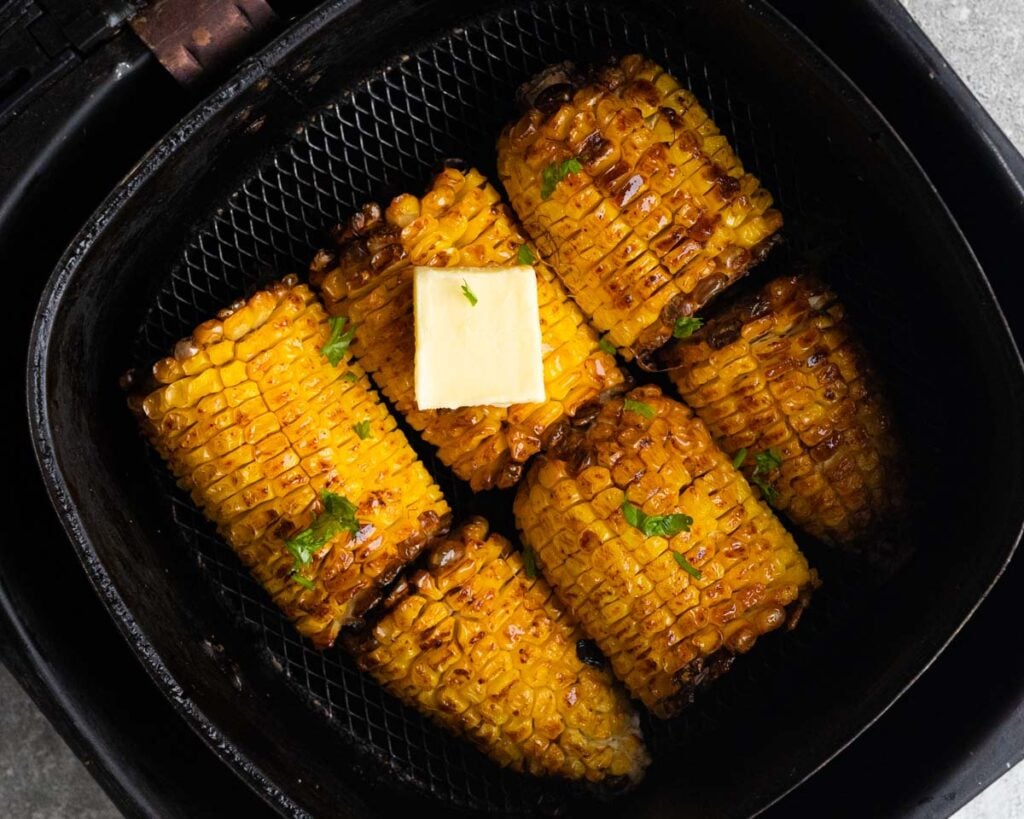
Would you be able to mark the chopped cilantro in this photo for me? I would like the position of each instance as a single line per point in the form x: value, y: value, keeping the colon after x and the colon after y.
x: 340, y: 339
x: 687, y: 565
x: 362, y: 429
x: 338, y: 515
x: 529, y: 563
x: 655, y: 525
x: 686, y: 326
x: 555, y: 173
x: 646, y: 410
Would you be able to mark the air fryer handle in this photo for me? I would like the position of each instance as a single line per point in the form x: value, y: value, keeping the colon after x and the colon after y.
x: 197, y: 39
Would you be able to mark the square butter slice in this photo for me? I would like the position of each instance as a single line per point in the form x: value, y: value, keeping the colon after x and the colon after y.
x: 478, y: 337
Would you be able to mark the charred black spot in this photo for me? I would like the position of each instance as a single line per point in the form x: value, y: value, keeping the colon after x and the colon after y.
x: 456, y: 163
x: 553, y: 97
x: 724, y: 333
x: 546, y: 87
x: 588, y: 653
x: 592, y: 147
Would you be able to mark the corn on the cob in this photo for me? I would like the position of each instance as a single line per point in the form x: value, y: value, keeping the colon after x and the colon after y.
x: 488, y: 652
x: 255, y: 423
x: 779, y: 372
x: 460, y: 221
x: 633, y: 196
x: 669, y: 605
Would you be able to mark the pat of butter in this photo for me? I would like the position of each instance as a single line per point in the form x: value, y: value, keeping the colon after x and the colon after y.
x: 482, y: 354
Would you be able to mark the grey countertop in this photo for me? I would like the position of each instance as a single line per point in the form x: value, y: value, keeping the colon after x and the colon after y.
x: 983, y: 41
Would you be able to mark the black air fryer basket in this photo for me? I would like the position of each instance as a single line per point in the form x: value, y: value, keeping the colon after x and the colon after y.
x: 358, y: 103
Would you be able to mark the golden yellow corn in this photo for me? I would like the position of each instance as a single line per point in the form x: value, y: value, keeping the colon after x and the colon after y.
x: 670, y: 610
x: 489, y: 653
x: 780, y: 371
x: 460, y: 221
x: 633, y: 196
x: 256, y: 424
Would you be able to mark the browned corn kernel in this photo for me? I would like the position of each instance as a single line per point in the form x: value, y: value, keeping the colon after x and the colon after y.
x: 660, y: 216
x: 780, y: 371
x: 489, y: 653
x: 460, y: 221
x: 255, y: 423
x: 665, y: 630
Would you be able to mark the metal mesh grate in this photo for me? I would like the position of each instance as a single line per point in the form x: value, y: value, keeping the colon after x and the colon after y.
x: 387, y: 134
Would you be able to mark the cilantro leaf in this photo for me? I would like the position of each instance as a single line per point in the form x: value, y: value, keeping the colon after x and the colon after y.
x: 655, y: 525
x: 771, y: 494
x: 741, y: 456
x: 765, y: 462
x: 667, y: 525
x: 338, y: 342
x: 607, y: 346
x: 303, y: 581
x: 687, y: 565
x: 633, y: 514
x: 338, y: 515
x: 350, y: 376
x: 768, y: 460
x: 469, y: 294
x: 555, y: 173
x: 362, y: 429
x: 686, y: 326
x: 529, y: 563
x: 646, y: 410
x: 525, y: 255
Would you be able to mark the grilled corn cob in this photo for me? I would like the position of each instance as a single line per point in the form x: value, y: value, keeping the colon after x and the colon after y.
x: 255, y: 423
x: 488, y: 652
x: 632, y: 194
x: 460, y: 221
x: 669, y: 602
x: 779, y: 373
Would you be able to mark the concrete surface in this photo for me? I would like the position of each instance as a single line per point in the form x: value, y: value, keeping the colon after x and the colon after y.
x: 983, y: 41
x: 39, y: 776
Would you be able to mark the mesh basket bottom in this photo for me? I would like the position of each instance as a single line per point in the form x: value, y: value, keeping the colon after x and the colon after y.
x: 386, y: 133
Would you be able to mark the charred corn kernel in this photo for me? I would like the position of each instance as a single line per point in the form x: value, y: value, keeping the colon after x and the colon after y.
x: 255, y: 423
x: 489, y: 653
x: 652, y: 213
x: 781, y: 372
x: 460, y: 221
x: 670, y: 605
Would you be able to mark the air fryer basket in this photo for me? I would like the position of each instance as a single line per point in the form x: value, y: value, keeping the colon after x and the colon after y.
x: 358, y: 103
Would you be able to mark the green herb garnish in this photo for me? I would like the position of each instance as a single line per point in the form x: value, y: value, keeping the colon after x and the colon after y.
x: 686, y: 326
x: 363, y: 430
x: 607, y: 346
x: 770, y: 493
x: 337, y: 345
x: 303, y: 581
x: 555, y: 173
x: 765, y: 462
x: 469, y: 294
x: 687, y: 565
x: 741, y: 456
x: 529, y: 563
x: 525, y: 255
x: 655, y: 525
x: 338, y: 515
x: 646, y: 410
x: 768, y: 460
x: 350, y: 376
